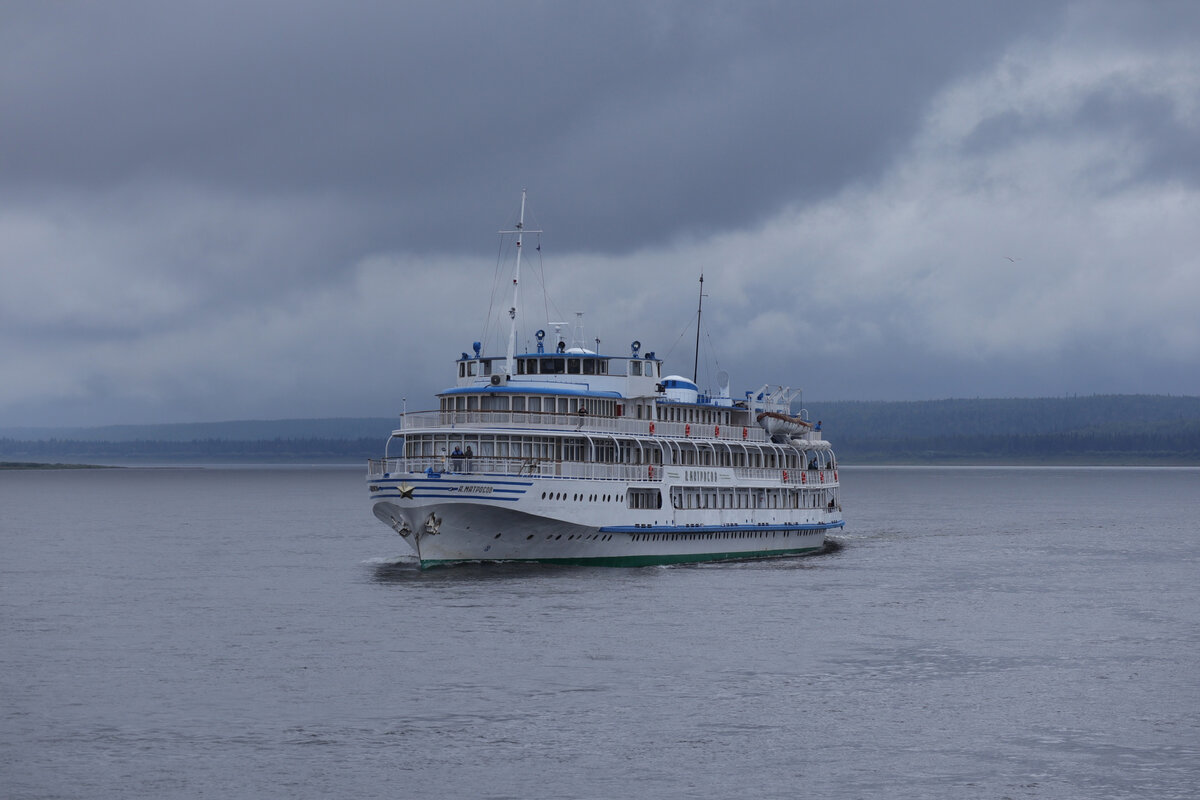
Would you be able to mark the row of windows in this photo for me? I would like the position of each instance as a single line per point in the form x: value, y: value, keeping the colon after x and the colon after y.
x: 600, y: 537
x: 559, y: 365
x: 668, y: 412
x: 532, y: 404
x: 579, y: 498
x: 608, y: 450
x: 676, y: 537
x: 694, y: 497
x: 562, y: 366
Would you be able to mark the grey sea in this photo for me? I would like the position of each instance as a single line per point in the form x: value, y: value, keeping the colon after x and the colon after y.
x: 254, y: 632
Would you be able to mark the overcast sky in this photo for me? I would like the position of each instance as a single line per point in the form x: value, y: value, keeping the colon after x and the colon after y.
x: 251, y: 210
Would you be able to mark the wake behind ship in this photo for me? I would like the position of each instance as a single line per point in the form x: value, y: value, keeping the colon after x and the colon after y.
x: 570, y: 456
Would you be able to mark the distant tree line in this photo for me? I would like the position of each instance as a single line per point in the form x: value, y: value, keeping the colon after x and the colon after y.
x: 1164, y: 444
x: 198, y: 449
x: 1100, y: 429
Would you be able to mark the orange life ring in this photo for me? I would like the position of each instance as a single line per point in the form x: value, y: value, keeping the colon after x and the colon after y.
x: 785, y: 476
x: 687, y: 430
x: 744, y: 432
x: 652, y: 427
x: 804, y: 477
x: 716, y: 430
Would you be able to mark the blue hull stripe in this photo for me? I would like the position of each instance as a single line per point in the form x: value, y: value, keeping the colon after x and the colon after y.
x: 453, y: 479
x: 454, y: 495
x: 720, y: 528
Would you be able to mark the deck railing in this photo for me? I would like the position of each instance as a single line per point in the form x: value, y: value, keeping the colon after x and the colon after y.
x: 448, y: 466
x: 418, y: 420
x: 445, y: 466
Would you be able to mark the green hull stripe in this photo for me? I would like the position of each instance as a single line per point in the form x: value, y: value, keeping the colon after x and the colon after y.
x: 634, y: 561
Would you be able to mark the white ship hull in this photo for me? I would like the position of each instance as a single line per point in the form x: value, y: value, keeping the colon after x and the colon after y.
x: 445, y: 525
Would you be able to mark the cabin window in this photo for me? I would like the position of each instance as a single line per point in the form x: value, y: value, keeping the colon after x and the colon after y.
x: 471, y: 368
x: 644, y: 498
x: 485, y: 367
x: 472, y: 403
x: 635, y: 368
x: 535, y: 404
x: 589, y: 366
x: 462, y: 369
x: 520, y: 366
x: 602, y: 367
x: 553, y: 366
x: 518, y: 404
x: 572, y: 366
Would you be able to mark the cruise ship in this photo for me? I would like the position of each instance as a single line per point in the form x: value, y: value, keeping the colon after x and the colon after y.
x: 568, y: 455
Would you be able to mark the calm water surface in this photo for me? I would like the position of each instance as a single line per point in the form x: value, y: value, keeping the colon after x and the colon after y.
x: 992, y: 633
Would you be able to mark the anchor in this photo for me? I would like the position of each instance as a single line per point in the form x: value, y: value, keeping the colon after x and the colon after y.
x: 401, y: 526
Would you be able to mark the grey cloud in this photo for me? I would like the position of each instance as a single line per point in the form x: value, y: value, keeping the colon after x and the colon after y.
x: 284, y: 209
x: 665, y: 118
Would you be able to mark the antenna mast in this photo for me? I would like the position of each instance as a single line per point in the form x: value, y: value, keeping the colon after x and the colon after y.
x: 512, y: 311
x: 699, y: 308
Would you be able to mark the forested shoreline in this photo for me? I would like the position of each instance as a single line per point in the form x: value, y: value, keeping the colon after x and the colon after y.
x: 1100, y: 429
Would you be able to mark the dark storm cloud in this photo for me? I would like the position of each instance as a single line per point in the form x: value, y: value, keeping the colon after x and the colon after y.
x: 648, y: 120
x: 219, y: 210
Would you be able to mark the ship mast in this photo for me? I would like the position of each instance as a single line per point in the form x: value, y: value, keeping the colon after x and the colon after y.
x: 516, y: 279
x: 699, y: 308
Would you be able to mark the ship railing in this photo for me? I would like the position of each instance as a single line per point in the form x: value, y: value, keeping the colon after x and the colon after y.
x: 449, y: 466
x: 542, y: 468
x: 542, y: 420
x: 790, y: 477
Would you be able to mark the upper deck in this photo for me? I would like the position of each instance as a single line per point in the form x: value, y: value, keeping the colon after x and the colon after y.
x: 548, y: 422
